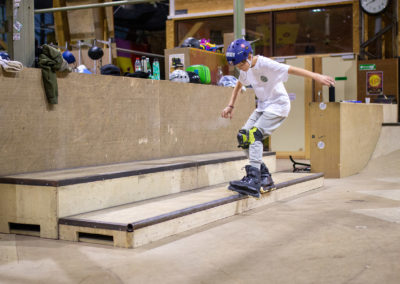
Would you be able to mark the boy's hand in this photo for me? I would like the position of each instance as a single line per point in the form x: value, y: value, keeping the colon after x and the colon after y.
x: 324, y: 80
x: 227, y: 112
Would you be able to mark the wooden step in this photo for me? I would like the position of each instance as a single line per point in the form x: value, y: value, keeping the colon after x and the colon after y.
x: 139, y: 223
x: 31, y: 203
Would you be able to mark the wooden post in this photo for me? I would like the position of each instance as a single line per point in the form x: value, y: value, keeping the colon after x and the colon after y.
x: 356, y: 27
x: 61, y: 23
x: 308, y: 99
x: 170, y: 34
x: 21, y: 32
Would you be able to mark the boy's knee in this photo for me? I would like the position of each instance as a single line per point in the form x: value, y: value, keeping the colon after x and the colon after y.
x: 255, y: 135
x: 247, y: 137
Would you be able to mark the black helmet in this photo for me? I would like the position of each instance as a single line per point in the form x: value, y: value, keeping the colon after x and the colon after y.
x: 191, y: 42
x: 193, y: 77
x: 95, y: 52
x: 110, y: 69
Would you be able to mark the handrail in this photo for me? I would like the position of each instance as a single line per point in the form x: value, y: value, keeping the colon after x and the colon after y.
x: 140, y: 52
x: 90, y: 6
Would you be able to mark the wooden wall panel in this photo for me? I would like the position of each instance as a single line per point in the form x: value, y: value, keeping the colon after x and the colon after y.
x: 325, y: 128
x: 87, y: 23
x: 317, y: 67
x: 356, y: 27
x: 294, y: 124
x: 194, y: 56
x: 107, y: 119
x: 308, y: 99
x: 390, y: 68
x: 170, y: 34
x: 61, y: 23
x: 336, y: 67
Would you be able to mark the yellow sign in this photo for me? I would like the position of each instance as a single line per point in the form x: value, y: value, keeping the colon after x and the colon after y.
x: 374, y: 83
x: 374, y: 80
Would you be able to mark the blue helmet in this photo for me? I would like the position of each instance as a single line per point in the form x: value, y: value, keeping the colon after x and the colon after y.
x: 4, y: 55
x: 68, y: 56
x: 238, y: 51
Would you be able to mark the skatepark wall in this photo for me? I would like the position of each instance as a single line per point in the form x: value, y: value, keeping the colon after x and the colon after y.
x: 106, y: 119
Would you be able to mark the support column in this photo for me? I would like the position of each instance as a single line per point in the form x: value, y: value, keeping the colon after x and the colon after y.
x: 238, y: 19
x: 61, y: 23
x: 21, y: 31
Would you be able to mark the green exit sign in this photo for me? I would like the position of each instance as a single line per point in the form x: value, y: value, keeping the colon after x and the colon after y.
x: 367, y: 66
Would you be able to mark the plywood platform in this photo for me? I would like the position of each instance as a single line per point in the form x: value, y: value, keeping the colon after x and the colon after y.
x: 136, y: 224
x: 37, y: 200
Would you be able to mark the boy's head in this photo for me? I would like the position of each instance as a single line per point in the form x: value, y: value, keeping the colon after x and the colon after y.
x: 238, y: 51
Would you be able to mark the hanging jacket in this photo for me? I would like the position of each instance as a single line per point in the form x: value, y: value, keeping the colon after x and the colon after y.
x: 50, y: 61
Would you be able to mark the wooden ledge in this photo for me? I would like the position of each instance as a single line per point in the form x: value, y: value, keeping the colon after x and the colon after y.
x: 156, y: 166
x: 130, y: 227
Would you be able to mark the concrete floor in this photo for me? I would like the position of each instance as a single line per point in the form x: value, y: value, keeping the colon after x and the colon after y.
x: 346, y: 232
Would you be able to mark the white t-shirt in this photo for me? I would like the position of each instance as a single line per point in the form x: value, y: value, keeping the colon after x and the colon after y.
x: 267, y: 77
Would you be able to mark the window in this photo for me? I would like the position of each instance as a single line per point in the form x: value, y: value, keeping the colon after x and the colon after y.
x: 258, y: 28
x: 208, y: 28
x: 322, y: 30
x: 296, y: 32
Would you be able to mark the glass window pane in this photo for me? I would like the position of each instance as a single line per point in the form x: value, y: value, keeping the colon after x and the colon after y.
x: 315, y: 30
x: 304, y: 31
x: 208, y: 28
x: 258, y: 26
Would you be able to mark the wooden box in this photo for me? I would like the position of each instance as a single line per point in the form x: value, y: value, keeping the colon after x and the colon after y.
x: 343, y: 137
x: 193, y: 56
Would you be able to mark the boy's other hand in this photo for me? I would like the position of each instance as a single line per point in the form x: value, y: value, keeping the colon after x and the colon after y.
x: 324, y: 80
x: 227, y: 112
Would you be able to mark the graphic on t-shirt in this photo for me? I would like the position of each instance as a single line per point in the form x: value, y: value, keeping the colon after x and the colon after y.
x: 263, y: 78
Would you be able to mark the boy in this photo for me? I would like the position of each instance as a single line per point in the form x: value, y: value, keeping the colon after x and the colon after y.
x: 266, y: 76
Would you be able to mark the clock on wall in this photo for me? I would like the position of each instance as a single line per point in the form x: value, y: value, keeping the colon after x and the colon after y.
x: 374, y: 6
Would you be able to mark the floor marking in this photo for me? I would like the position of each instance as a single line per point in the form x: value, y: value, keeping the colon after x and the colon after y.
x: 8, y: 248
x: 386, y: 214
x: 393, y: 194
x: 389, y: 179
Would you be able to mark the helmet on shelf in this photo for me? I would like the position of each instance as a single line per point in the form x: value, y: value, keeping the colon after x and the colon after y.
x: 95, y: 52
x: 68, y: 56
x: 191, y: 42
x: 194, y: 77
x: 179, y: 76
x: 4, y: 55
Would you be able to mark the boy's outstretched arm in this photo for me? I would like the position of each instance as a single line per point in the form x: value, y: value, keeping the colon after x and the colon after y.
x: 323, y: 79
x: 228, y: 111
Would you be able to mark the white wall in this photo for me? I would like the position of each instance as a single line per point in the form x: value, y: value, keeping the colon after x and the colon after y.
x: 290, y: 136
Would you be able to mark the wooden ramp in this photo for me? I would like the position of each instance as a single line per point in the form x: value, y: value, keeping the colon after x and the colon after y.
x: 135, y: 224
x: 32, y: 203
x: 388, y: 140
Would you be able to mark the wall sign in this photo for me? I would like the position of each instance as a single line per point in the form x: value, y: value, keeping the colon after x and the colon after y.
x: 175, y: 57
x: 375, y: 83
x: 367, y: 67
